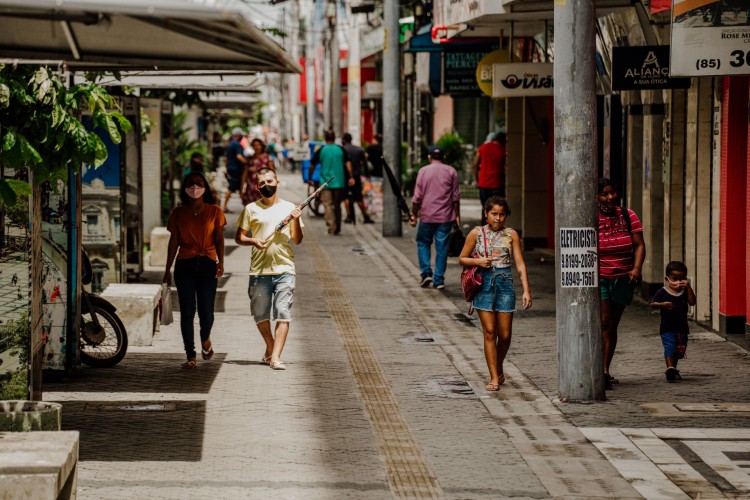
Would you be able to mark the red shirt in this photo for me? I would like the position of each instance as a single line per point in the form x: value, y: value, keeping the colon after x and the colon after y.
x: 195, y: 233
x: 616, y: 244
x: 492, y: 167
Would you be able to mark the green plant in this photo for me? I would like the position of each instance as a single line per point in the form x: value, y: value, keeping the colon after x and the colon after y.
x: 454, y: 152
x: 14, y: 335
x: 41, y: 128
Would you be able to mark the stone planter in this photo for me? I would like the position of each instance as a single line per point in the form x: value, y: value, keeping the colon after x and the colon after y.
x: 25, y: 416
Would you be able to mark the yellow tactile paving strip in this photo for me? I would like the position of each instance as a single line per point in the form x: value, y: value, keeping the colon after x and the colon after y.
x: 409, y: 475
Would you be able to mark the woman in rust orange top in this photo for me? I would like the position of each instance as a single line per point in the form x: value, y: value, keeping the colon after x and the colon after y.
x: 197, y: 240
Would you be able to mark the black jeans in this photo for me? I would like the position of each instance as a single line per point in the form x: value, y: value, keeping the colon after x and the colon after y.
x: 195, y: 278
x: 485, y: 194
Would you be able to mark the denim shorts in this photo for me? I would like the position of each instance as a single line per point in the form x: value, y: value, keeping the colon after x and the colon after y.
x: 497, y: 292
x: 267, y: 292
x: 669, y: 341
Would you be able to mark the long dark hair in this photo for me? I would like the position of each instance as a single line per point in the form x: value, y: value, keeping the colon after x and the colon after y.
x: 604, y: 182
x: 208, y: 195
x: 496, y: 200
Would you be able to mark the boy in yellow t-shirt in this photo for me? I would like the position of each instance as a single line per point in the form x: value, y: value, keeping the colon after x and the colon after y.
x: 272, y: 273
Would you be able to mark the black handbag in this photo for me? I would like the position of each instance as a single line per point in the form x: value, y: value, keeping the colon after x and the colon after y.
x: 456, y: 241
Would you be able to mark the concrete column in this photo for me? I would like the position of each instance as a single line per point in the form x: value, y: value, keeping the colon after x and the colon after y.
x: 652, y: 214
x: 716, y: 202
x: 633, y: 188
x: 534, y: 167
x: 514, y: 163
x: 703, y: 249
x: 674, y: 176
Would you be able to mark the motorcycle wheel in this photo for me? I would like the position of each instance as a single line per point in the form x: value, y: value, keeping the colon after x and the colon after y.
x: 112, y: 349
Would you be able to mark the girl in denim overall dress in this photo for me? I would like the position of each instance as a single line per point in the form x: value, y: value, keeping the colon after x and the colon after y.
x: 496, y: 300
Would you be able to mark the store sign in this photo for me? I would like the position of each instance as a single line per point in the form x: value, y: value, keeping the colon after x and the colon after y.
x: 522, y: 79
x: 646, y: 67
x: 708, y: 40
x: 456, y: 12
x: 484, y: 69
x: 459, y: 72
x: 579, y: 258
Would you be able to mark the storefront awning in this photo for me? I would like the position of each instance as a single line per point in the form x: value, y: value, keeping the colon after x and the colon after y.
x: 187, y: 80
x: 140, y: 34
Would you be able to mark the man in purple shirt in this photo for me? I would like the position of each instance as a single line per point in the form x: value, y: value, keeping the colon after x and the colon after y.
x: 436, y: 204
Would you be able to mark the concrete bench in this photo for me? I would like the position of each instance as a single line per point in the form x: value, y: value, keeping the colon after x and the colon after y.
x: 138, y: 308
x: 38, y: 465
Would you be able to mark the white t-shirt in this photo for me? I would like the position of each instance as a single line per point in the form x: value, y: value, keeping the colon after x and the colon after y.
x: 260, y: 222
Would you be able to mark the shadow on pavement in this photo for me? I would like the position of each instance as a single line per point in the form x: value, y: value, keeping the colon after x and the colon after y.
x: 132, y: 431
x: 143, y: 372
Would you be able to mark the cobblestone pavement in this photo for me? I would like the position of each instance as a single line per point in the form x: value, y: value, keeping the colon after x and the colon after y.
x: 384, y: 397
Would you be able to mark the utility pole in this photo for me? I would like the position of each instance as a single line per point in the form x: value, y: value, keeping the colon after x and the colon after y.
x: 354, y: 78
x: 294, y: 79
x: 310, y: 75
x: 391, y: 115
x: 579, y: 338
x: 336, y: 104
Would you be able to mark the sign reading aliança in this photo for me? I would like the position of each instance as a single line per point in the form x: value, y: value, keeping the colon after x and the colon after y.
x: 645, y: 67
x: 710, y: 38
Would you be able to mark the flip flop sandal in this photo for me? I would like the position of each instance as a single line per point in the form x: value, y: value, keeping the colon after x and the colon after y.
x: 492, y: 387
x: 189, y: 364
x: 207, y: 354
x: 265, y: 360
x: 277, y: 365
x: 501, y: 379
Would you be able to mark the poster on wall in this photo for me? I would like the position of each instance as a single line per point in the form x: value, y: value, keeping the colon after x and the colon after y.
x: 15, y: 289
x: 644, y: 67
x: 710, y: 38
x: 55, y: 214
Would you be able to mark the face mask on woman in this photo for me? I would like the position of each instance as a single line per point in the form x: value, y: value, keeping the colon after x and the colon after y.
x: 195, y: 192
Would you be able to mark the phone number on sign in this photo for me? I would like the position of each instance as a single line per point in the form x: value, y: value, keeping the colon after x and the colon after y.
x: 575, y: 261
x: 737, y: 59
x: 578, y: 278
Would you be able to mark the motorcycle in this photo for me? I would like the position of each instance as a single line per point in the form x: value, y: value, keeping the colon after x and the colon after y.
x: 103, y: 340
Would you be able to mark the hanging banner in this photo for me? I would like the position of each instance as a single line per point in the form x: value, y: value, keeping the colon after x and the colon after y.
x: 710, y: 38
x: 645, y: 67
x: 522, y: 79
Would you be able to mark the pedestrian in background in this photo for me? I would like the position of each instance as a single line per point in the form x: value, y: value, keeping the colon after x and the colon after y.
x: 334, y: 162
x: 491, y: 247
x: 374, y: 155
x: 272, y: 270
x: 673, y: 301
x: 354, y: 191
x: 621, y: 255
x: 235, y: 165
x: 196, y: 239
x: 436, y: 203
x: 195, y: 165
x: 260, y: 159
x: 217, y: 150
x: 489, y: 169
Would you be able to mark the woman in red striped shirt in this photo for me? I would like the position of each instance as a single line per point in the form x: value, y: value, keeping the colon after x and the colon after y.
x: 621, y: 255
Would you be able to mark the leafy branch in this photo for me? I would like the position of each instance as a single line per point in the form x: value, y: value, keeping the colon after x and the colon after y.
x: 41, y: 128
